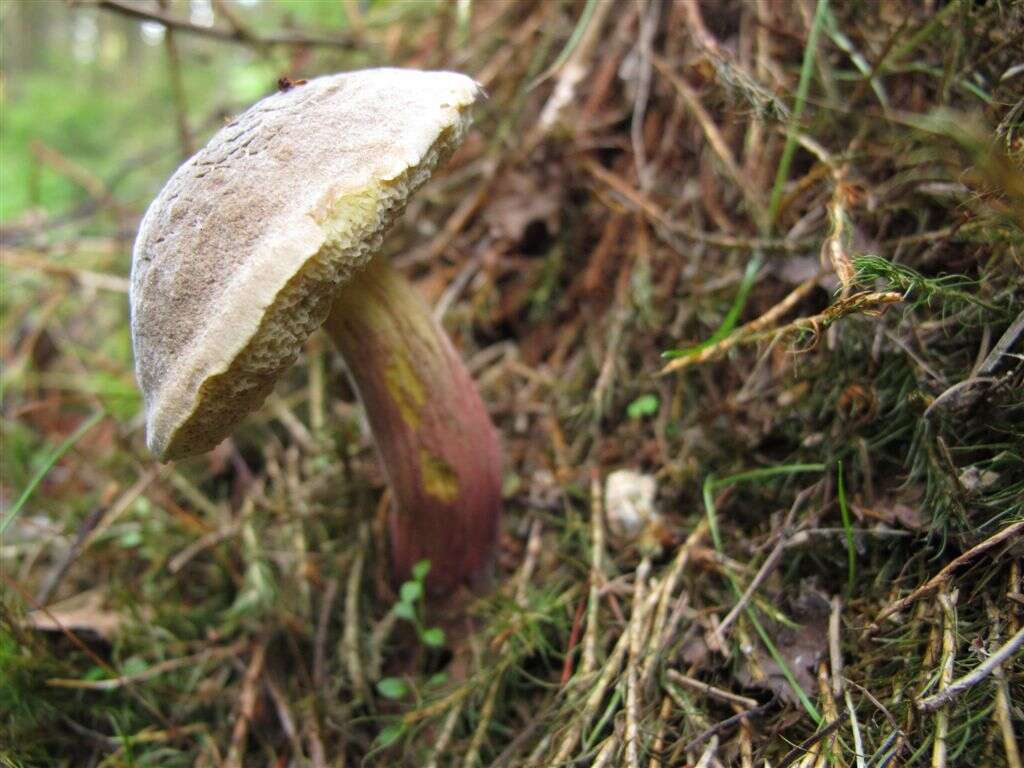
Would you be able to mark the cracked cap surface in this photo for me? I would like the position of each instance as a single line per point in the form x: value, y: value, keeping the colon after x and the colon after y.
x: 238, y: 257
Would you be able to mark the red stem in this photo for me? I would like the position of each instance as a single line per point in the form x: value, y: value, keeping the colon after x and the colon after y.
x: 433, y: 433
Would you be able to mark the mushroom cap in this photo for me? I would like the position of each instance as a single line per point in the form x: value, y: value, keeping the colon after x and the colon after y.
x: 238, y: 257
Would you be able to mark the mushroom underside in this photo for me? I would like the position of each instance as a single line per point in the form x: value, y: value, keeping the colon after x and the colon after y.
x: 188, y: 418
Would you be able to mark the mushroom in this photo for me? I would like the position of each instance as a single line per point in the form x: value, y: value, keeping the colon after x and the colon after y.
x: 271, y: 231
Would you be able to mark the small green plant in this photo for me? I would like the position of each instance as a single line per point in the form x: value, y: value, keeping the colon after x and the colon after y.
x: 410, y: 608
x: 952, y: 290
x: 390, y: 734
x: 392, y: 688
x: 645, y: 405
x: 396, y: 688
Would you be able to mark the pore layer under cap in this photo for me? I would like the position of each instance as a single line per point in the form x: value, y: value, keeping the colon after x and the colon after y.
x: 239, y: 255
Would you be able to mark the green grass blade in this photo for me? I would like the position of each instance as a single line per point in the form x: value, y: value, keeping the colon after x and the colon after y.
x: 711, y: 484
x: 798, y: 110
x: 570, y: 45
x: 52, y: 459
x: 848, y: 531
x: 765, y: 472
x: 731, y: 317
x: 712, y: 513
x: 781, y: 175
x: 777, y: 658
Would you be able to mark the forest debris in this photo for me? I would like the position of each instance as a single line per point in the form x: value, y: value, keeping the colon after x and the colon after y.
x: 167, y: 21
x: 1009, y: 533
x: 870, y: 303
x: 954, y: 689
x: 551, y: 291
x: 522, y: 203
x: 975, y: 479
x: 801, y: 649
x: 629, y: 502
x: 597, y: 576
x: 246, y: 708
x: 1001, y: 352
x: 87, y: 278
x: 892, y: 511
x: 947, y: 600
x: 155, y: 670
x: 287, y: 83
x: 574, y: 67
x: 82, y: 613
x: 804, y: 747
x: 706, y: 688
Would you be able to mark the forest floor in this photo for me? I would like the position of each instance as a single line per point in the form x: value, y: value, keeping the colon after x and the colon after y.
x: 769, y: 256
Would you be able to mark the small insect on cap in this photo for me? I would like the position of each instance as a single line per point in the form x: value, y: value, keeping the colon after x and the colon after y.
x: 238, y: 257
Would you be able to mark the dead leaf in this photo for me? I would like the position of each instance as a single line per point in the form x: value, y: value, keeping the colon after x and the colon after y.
x: 974, y: 479
x: 82, y: 613
x: 892, y: 512
x: 524, y: 208
x: 800, y: 648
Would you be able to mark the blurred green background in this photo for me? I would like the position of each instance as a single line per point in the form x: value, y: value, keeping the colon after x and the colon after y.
x: 96, y: 86
x: 97, y: 108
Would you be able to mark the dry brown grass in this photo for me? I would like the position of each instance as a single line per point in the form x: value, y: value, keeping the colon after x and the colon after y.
x: 841, y: 479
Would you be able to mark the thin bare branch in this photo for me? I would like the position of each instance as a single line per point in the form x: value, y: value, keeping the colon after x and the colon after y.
x: 168, y: 21
x: 975, y: 676
x: 933, y: 584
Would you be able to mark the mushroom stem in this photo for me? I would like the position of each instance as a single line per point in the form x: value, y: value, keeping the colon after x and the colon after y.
x: 434, y: 436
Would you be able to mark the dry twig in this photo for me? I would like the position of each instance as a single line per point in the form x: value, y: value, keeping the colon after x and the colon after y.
x: 954, y: 689
x: 132, y: 10
x: 710, y: 690
x: 866, y: 302
x: 948, y: 602
x: 246, y: 705
x: 942, y: 577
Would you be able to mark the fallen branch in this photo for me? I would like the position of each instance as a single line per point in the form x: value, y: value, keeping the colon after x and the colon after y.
x: 156, y: 670
x: 246, y: 706
x: 802, y: 748
x: 934, y: 583
x: 957, y: 687
x: 736, y: 719
x: 238, y: 36
x: 706, y: 688
x: 866, y: 302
